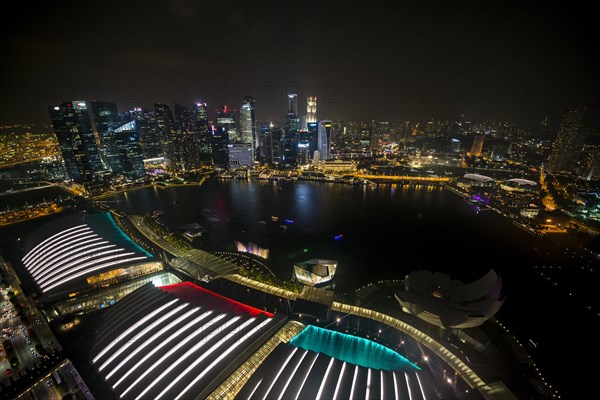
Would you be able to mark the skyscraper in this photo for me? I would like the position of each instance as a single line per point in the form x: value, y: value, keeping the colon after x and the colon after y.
x: 293, y: 105
x: 224, y: 133
x: 73, y: 128
x: 106, y: 119
x: 248, y: 125
x: 129, y: 151
x: 148, y: 131
x: 324, y: 140
x: 167, y: 131
x: 477, y: 147
x: 240, y: 155
x: 564, y: 152
x: 185, y: 143
x: 203, y: 133
x: 311, y: 110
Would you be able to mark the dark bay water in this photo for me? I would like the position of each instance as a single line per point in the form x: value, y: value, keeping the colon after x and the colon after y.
x: 387, y: 231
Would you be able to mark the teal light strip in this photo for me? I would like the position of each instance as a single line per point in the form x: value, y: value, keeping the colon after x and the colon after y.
x: 127, y: 238
x: 352, y: 349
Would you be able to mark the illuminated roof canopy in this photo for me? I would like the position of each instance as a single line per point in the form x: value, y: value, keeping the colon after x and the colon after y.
x: 63, y: 254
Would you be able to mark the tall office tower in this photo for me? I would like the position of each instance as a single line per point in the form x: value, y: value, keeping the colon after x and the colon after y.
x: 167, y: 131
x: 264, y: 149
x: 311, y: 110
x: 220, y: 151
x: 203, y: 133
x: 293, y: 105
x: 324, y: 140
x: 277, y: 141
x: 564, y: 150
x: 226, y: 119
x: 186, y: 143
x: 145, y: 122
x: 248, y: 124
x: 73, y: 128
x: 129, y: 151
x: 477, y: 147
x: 312, y: 135
x: 105, y: 121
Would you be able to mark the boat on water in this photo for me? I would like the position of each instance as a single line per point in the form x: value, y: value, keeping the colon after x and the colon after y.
x: 262, y: 222
x: 274, y: 218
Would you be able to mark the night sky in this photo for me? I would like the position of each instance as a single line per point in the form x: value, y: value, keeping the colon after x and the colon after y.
x: 365, y: 60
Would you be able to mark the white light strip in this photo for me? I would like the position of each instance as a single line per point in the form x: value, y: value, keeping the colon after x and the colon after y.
x: 368, y: 392
x: 120, y: 315
x: 408, y: 386
x: 420, y: 386
x: 170, y: 352
x: 154, y: 337
x: 131, y: 329
x: 163, y: 344
x: 89, y: 270
x: 56, y: 251
x: 273, y: 381
x: 354, y: 382
x: 339, y: 382
x: 188, y: 354
x: 304, y: 353
x: 396, y: 386
x: 217, y: 360
x: 72, y: 255
x: 306, y: 377
x: 381, y: 384
x: 255, y: 387
x: 37, y: 248
x: 50, y: 273
x: 39, y: 260
x: 320, y: 392
x: 139, y: 335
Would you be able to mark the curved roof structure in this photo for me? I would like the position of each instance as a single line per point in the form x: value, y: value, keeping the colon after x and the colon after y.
x: 522, y: 182
x: 175, y: 342
x: 294, y: 373
x: 439, y: 300
x: 63, y: 254
x: 479, y: 178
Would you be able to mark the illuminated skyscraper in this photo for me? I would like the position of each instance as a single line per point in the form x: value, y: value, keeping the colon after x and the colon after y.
x: 224, y: 133
x: 324, y: 140
x: 167, y: 131
x: 106, y: 119
x: 203, y: 133
x: 564, y: 152
x: 293, y: 105
x: 73, y: 128
x: 311, y: 109
x: 129, y: 151
x: 185, y: 144
x: 248, y: 124
x: 148, y: 130
x: 240, y: 155
x: 477, y: 147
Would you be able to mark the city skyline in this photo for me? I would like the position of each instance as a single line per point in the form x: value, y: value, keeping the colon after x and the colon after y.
x: 421, y: 61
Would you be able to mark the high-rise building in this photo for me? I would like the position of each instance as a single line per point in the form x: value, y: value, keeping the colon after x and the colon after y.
x: 248, y: 125
x: 186, y: 149
x: 312, y: 135
x: 148, y: 131
x: 105, y: 120
x: 240, y: 155
x: 73, y: 128
x: 129, y: 151
x: 220, y: 151
x: 324, y: 140
x: 311, y: 110
x: 477, y: 147
x: 167, y: 131
x: 226, y: 119
x: 564, y: 150
x: 293, y: 105
x: 203, y: 133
